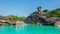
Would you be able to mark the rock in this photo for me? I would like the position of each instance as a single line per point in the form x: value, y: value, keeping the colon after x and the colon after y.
x: 57, y: 24
x: 39, y: 18
x: 32, y: 19
x: 36, y: 18
x: 20, y: 23
x: 4, y: 22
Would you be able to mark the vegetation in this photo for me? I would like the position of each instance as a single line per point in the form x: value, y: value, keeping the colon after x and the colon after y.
x: 12, y: 18
x: 46, y: 10
x: 53, y: 13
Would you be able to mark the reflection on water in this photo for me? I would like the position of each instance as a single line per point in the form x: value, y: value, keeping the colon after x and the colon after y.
x: 11, y: 27
x: 19, y: 27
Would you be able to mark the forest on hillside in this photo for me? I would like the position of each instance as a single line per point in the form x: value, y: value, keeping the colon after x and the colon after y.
x: 52, y: 13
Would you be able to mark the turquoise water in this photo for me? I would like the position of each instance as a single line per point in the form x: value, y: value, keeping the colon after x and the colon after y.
x: 29, y: 29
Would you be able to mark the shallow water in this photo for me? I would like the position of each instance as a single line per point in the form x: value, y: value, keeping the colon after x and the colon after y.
x: 29, y: 29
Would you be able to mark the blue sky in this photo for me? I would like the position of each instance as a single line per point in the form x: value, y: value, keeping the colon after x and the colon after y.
x: 26, y: 7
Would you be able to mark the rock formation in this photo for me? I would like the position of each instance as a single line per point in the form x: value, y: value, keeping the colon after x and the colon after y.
x: 39, y: 17
x: 4, y: 22
x: 36, y: 17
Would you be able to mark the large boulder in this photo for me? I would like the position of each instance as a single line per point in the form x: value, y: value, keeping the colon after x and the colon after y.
x: 40, y: 18
x: 36, y: 18
x: 33, y: 18
x: 57, y: 24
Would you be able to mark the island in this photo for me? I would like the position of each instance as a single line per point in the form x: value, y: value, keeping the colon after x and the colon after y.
x: 39, y: 17
x: 11, y: 20
x: 44, y: 17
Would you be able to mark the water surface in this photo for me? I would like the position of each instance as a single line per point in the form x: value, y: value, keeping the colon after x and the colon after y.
x: 29, y: 29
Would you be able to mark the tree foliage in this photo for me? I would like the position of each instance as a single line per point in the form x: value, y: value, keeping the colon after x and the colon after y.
x: 13, y: 18
x: 46, y: 10
x: 54, y: 13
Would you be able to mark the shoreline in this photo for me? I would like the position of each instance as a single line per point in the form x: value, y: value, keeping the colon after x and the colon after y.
x: 4, y: 22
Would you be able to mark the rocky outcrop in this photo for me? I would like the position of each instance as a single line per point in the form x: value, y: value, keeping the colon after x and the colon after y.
x: 4, y: 22
x: 54, y: 20
x: 20, y: 23
x: 39, y: 18
x: 57, y: 24
x: 33, y: 18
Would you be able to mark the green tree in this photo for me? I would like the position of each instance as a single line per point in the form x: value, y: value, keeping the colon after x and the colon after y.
x: 54, y: 13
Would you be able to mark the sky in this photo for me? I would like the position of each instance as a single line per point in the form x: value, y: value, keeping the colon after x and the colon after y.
x: 26, y: 7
